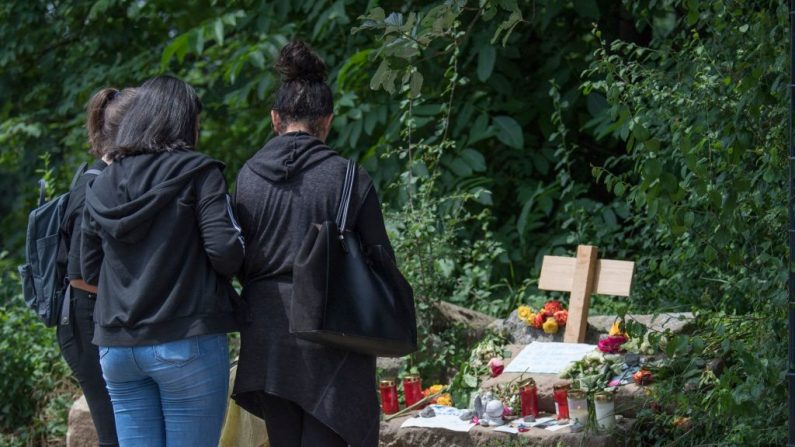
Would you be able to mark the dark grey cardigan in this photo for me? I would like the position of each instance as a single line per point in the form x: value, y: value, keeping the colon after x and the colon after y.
x: 290, y: 184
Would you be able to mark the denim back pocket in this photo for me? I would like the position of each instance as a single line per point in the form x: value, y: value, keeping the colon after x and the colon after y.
x: 179, y: 352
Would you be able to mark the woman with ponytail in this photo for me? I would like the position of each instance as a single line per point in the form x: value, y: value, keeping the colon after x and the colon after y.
x: 104, y: 113
x: 308, y: 394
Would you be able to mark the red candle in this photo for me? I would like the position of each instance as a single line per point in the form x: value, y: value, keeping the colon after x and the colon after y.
x: 412, y: 389
x: 389, y: 396
x: 561, y: 396
x: 528, y: 393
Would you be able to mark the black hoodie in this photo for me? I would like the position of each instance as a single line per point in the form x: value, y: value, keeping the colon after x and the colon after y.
x: 161, y: 242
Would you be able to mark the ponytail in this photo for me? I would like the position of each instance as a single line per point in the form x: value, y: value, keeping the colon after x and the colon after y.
x: 103, y: 115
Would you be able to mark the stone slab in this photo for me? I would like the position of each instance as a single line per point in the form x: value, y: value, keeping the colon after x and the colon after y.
x: 81, y: 431
x: 394, y: 436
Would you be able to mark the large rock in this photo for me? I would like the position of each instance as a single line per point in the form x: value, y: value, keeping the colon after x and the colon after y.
x: 394, y: 436
x: 449, y: 314
x: 81, y: 431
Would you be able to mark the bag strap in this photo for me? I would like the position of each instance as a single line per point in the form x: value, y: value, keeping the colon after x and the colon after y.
x: 80, y: 170
x: 92, y: 172
x: 347, y: 192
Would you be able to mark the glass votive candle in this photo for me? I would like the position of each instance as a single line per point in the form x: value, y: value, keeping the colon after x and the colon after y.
x: 605, y: 407
x: 389, y: 396
x: 528, y: 394
x: 412, y: 389
x: 578, y: 406
x: 560, y: 393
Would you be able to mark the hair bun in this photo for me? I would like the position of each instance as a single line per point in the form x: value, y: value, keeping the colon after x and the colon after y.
x: 298, y: 62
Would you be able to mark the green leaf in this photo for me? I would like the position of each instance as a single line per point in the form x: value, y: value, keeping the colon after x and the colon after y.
x: 415, y: 85
x: 178, y: 46
x: 474, y: 159
x: 509, y: 131
x: 486, y: 57
x: 470, y: 380
x: 218, y: 28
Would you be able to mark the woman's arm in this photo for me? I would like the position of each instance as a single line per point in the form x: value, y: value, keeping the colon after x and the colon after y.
x: 220, y: 232
x: 91, y: 253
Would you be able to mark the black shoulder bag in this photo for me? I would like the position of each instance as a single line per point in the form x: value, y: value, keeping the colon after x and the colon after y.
x: 348, y: 296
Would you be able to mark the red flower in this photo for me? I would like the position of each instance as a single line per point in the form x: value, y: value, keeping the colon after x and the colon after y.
x: 612, y: 344
x: 541, y: 317
x: 642, y: 377
x: 553, y: 306
x: 562, y: 316
x: 497, y: 366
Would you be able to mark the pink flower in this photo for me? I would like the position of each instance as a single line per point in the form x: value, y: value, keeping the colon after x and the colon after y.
x: 497, y: 366
x: 612, y: 344
x: 506, y: 411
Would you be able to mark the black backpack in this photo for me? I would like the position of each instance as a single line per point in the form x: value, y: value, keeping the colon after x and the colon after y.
x: 43, y: 277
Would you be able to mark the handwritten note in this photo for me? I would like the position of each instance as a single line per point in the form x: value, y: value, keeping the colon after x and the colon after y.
x: 547, y: 357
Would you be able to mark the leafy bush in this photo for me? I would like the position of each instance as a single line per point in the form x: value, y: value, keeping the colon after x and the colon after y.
x: 36, y: 389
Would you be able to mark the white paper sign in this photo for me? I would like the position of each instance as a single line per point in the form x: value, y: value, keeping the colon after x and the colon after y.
x: 547, y: 357
x: 445, y: 421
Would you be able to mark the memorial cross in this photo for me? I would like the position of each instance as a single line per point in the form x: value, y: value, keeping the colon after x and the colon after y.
x: 583, y: 276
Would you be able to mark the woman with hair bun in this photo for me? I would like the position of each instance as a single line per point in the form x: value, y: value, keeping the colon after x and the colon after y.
x: 104, y: 113
x: 161, y: 242
x: 308, y: 394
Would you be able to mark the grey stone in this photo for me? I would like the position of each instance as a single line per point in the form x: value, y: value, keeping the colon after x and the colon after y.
x: 393, y: 436
x: 391, y: 366
x: 81, y: 431
x: 517, y: 331
x: 448, y: 315
x: 427, y: 412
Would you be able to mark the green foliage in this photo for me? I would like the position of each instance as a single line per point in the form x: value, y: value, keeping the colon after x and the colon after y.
x: 496, y: 131
x: 36, y: 390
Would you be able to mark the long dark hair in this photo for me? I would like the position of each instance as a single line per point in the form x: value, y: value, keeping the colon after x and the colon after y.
x: 104, y: 113
x: 303, y: 96
x: 164, y: 116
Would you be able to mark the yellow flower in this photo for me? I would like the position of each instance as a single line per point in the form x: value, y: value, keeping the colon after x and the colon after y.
x: 430, y: 391
x: 524, y: 313
x: 615, y: 329
x: 550, y: 326
x: 445, y: 399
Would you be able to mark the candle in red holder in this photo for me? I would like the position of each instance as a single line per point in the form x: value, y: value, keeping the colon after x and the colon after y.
x: 561, y: 396
x: 528, y: 393
x: 412, y: 389
x: 389, y: 396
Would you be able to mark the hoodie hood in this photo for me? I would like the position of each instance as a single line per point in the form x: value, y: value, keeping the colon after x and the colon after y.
x: 131, y: 192
x: 283, y: 157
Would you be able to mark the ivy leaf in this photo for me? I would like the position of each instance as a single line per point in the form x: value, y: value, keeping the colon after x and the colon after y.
x: 509, y: 131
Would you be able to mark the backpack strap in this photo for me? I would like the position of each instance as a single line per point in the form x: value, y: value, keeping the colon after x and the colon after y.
x: 80, y: 170
x: 93, y: 172
x: 42, y: 192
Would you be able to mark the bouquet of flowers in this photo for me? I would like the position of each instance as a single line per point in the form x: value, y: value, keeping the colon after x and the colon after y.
x: 443, y: 399
x: 549, y: 318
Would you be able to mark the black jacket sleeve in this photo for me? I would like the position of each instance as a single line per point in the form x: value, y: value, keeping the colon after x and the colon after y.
x: 370, y: 223
x: 91, y: 253
x: 220, y: 232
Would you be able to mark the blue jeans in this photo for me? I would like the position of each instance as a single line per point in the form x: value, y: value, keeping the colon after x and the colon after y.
x: 170, y: 394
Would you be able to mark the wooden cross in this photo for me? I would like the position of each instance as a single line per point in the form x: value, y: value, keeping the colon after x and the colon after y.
x: 583, y: 276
